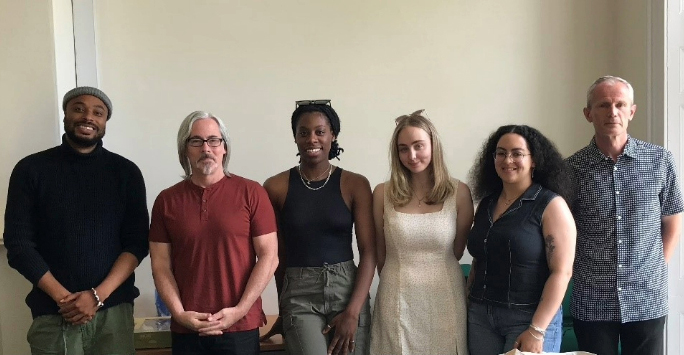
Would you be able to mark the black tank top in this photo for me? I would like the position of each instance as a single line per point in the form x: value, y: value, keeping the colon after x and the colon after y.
x: 316, y: 226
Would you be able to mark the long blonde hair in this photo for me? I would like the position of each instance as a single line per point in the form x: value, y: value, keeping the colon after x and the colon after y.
x: 399, y: 189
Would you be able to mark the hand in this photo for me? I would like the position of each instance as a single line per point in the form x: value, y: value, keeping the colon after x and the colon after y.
x: 222, y: 319
x: 194, y: 320
x: 276, y: 328
x: 78, y: 308
x: 527, y: 342
x: 343, y: 341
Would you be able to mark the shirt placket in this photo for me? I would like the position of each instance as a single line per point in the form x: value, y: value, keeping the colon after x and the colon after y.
x: 204, y: 205
x: 620, y: 233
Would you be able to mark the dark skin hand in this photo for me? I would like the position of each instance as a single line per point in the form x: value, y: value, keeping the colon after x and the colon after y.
x: 78, y: 308
x: 277, y: 328
x: 343, y: 341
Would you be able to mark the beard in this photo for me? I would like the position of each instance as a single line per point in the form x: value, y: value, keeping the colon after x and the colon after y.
x: 206, y: 164
x: 70, y: 131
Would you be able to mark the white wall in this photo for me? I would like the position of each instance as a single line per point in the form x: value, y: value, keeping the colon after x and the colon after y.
x: 28, y: 122
x: 473, y: 65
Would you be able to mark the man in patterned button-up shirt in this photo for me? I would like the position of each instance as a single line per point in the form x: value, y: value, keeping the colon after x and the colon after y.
x: 628, y: 215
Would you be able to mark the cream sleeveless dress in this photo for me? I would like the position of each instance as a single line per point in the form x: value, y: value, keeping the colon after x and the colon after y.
x: 420, y: 303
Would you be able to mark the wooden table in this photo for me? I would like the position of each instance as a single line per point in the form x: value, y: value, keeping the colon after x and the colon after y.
x: 275, y: 343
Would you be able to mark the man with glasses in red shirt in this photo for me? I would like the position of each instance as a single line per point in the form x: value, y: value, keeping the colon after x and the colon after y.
x: 213, y: 246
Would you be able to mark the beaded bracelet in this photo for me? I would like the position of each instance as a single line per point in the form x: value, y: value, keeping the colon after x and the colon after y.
x: 97, y: 299
x: 538, y: 330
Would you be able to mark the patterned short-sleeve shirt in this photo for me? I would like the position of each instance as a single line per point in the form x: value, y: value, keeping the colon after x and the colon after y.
x: 620, y: 272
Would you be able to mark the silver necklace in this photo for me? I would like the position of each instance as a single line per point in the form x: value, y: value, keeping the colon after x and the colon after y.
x: 308, y: 181
x: 507, y: 201
x: 301, y: 177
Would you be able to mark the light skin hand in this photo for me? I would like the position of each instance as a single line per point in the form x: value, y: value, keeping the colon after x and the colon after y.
x: 79, y: 307
x: 345, y: 325
x: 194, y: 320
x: 527, y: 342
x: 221, y: 320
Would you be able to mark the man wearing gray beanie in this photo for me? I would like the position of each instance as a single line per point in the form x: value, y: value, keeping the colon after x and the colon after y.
x: 76, y: 227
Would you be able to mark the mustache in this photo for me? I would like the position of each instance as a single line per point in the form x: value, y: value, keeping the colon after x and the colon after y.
x: 206, y: 156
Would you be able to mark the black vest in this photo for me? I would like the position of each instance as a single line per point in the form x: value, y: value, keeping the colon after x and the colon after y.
x: 510, y: 253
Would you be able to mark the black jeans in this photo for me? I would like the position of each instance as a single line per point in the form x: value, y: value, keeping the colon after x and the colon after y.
x: 235, y: 343
x: 644, y: 337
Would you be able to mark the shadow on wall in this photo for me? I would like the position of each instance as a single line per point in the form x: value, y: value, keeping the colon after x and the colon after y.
x: 572, y: 38
x: 15, y: 315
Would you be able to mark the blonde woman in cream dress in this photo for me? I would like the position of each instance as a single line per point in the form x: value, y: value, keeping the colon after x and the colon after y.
x: 422, y: 218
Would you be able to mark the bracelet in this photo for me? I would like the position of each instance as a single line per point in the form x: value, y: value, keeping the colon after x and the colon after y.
x: 538, y: 330
x: 97, y: 299
x: 541, y: 338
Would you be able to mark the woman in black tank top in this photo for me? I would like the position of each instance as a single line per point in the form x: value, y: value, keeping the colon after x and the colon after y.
x: 323, y: 298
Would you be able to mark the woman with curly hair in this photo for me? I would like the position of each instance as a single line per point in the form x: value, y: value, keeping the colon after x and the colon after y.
x: 422, y: 218
x: 522, y: 243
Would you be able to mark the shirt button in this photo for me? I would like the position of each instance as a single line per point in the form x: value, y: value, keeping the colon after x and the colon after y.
x: 619, y: 241
x: 619, y: 218
x: 615, y: 168
x: 619, y: 265
x: 616, y: 192
x: 619, y: 288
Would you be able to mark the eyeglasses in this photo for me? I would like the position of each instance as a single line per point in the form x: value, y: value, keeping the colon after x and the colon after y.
x: 515, y: 156
x: 198, y: 142
x: 312, y: 102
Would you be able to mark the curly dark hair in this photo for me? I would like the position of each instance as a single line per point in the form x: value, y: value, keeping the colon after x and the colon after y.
x: 550, y: 171
x: 333, y: 119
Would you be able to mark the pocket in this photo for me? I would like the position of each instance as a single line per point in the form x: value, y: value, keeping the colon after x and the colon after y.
x: 526, y: 312
x: 283, y: 290
x: 45, y: 335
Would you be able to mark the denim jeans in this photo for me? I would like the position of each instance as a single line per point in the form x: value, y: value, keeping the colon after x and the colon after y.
x: 493, y: 330
x: 234, y: 343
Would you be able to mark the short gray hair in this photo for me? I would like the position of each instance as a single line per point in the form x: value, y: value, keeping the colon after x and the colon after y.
x: 612, y: 80
x: 184, y: 134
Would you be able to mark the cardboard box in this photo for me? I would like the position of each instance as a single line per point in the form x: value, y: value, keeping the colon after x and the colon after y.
x: 152, y: 333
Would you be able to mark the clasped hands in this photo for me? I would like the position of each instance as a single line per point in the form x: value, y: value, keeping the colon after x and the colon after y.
x: 209, y: 324
x: 78, y: 308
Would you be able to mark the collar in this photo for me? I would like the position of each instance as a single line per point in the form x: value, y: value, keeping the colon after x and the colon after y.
x: 529, y: 195
x: 595, y: 155
x: 69, y: 150
x: 211, y: 187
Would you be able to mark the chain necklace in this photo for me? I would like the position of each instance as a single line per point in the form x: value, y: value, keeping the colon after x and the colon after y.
x: 420, y: 200
x: 307, y: 182
x: 507, y: 201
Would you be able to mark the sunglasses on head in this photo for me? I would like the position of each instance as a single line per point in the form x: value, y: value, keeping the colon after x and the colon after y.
x: 312, y: 102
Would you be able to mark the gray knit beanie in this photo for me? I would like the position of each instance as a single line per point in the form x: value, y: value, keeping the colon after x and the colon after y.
x: 87, y: 90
